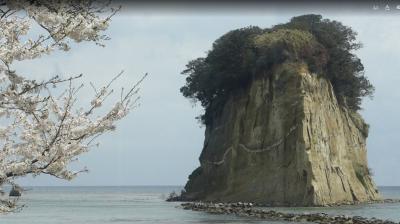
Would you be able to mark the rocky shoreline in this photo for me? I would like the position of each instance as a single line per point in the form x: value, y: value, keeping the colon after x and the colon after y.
x: 250, y: 210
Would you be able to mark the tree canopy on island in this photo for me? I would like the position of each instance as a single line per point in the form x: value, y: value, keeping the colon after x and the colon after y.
x: 241, y: 55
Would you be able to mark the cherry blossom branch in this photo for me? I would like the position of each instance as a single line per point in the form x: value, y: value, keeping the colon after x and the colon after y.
x: 41, y: 133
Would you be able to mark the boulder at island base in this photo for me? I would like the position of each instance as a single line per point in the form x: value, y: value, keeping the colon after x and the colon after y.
x: 284, y: 140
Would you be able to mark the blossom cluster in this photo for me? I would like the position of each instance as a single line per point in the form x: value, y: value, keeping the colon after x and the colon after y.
x: 41, y: 133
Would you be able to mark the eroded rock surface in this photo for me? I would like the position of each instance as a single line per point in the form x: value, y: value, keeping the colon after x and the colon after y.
x: 284, y: 140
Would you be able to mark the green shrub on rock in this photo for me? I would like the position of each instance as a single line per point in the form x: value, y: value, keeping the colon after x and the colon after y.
x: 244, y: 54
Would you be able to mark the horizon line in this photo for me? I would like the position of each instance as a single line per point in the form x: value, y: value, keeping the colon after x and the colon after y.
x: 139, y: 185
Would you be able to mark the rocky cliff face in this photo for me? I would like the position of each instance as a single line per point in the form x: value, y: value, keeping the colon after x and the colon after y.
x: 284, y: 140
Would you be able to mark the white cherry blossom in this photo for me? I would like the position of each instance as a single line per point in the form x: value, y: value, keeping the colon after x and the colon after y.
x: 41, y: 133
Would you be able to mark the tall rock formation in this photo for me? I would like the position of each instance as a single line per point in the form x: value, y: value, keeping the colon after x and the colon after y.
x: 284, y: 140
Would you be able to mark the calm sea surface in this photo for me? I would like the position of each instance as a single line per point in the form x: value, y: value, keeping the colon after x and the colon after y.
x: 145, y: 205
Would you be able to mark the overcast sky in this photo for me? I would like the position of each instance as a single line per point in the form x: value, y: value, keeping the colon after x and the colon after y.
x: 160, y: 142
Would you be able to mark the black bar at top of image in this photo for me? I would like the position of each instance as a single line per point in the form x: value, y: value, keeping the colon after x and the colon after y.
x: 341, y: 6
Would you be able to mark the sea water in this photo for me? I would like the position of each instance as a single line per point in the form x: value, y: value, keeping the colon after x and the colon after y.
x: 146, y: 204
